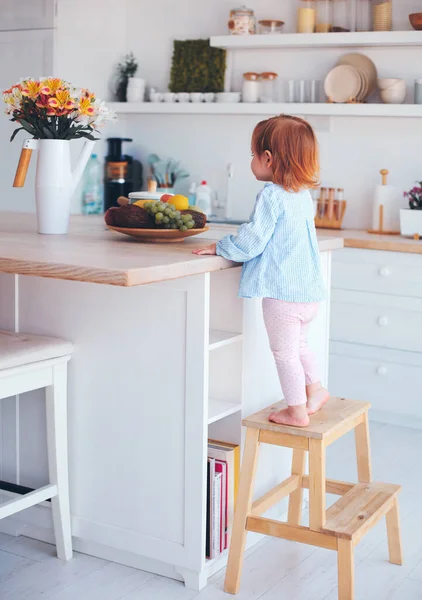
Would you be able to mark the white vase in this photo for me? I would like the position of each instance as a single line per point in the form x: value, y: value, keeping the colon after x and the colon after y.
x: 410, y: 222
x: 55, y: 182
x: 135, y: 89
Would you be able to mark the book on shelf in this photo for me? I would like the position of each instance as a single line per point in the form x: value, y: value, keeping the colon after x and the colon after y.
x: 222, y: 481
x: 214, y: 535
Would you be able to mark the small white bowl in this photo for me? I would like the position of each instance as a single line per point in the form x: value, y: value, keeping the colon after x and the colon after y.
x: 390, y: 82
x: 231, y: 97
x: 393, y: 96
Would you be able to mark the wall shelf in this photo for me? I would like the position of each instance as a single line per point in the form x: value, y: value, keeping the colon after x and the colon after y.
x: 218, y: 409
x: 318, y: 40
x: 219, y: 338
x: 319, y: 109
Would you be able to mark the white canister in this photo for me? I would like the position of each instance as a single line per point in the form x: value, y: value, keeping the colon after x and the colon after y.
x: 135, y: 89
x: 251, y: 87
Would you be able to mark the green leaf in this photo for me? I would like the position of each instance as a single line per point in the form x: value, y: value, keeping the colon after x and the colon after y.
x: 48, y: 134
x: 12, y: 137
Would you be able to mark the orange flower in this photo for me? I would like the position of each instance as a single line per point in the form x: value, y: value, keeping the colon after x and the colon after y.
x: 31, y: 89
x: 51, y: 86
x: 62, y: 103
x: 85, y: 107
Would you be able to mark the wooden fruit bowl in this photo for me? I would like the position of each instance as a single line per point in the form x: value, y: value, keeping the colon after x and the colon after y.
x: 162, y: 236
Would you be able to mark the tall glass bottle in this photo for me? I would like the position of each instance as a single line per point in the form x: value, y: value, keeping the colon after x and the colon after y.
x: 306, y: 16
x: 382, y: 15
x: 342, y: 15
x: 324, y: 16
x: 363, y: 15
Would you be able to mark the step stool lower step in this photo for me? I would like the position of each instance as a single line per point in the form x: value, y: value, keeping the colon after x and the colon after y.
x: 360, y: 509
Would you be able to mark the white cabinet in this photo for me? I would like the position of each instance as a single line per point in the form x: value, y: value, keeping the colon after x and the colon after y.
x: 23, y: 54
x: 27, y: 14
x: 376, y: 324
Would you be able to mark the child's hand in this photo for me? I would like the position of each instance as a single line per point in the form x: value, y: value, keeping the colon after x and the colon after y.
x: 212, y: 250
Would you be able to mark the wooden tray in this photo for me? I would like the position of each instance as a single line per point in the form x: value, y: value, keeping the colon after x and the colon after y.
x: 162, y: 236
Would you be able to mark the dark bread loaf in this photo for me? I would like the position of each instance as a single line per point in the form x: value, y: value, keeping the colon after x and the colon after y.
x: 199, y: 218
x: 129, y: 215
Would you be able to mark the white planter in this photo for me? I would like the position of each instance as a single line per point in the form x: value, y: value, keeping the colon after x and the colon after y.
x: 410, y: 222
x: 135, y: 90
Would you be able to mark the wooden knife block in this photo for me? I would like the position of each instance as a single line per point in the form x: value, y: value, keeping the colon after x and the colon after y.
x: 324, y: 220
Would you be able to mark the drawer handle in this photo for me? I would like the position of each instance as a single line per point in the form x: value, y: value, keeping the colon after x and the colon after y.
x: 383, y: 321
x: 384, y: 272
x: 382, y: 370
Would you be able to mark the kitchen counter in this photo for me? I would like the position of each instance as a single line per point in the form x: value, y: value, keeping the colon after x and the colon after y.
x: 157, y: 370
x: 357, y: 238
x: 93, y: 254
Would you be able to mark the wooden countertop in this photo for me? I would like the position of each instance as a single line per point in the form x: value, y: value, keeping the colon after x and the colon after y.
x: 93, y: 254
x: 357, y: 238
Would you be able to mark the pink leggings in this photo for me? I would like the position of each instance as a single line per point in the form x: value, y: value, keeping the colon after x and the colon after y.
x: 287, y: 326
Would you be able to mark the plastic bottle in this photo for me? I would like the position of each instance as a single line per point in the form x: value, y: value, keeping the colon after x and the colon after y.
x: 204, y: 198
x: 92, y: 201
x: 192, y: 194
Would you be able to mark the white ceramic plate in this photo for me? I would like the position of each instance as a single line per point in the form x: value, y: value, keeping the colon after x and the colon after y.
x: 342, y: 83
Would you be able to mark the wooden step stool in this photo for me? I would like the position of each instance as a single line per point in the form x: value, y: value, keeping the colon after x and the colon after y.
x: 340, y: 528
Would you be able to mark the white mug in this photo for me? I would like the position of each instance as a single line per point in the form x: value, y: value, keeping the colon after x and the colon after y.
x: 156, y: 97
x: 169, y: 97
x: 196, y: 97
x: 209, y: 97
x: 183, y: 97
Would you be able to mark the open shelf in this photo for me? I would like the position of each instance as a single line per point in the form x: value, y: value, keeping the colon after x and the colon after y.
x: 218, y: 409
x: 318, y: 40
x: 317, y: 109
x: 219, y: 338
x: 215, y: 564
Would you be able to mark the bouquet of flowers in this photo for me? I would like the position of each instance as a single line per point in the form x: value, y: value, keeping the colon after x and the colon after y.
x: 415, y: 196
x: 52, y: 109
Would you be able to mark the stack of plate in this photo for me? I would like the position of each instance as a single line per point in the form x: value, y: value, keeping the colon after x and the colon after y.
x: 352, y: 79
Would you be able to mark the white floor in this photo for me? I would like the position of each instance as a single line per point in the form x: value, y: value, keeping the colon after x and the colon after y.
x: 275, y: 570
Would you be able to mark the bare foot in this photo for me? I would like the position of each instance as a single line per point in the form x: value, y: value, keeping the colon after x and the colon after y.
x: 297, y: 416
x: 317, y: 397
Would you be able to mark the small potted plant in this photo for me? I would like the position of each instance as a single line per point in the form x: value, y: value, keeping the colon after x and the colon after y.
x: 125, y: 73
x: 411, y: 218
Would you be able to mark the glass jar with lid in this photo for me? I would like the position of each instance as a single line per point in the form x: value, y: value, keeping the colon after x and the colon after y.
x: 306, y: 16
x: 242, y: 21
x: 324, y: 16
x: 363, y: 15
x: 267, y: 91
x: 382, y: 15
x: 342, y: 15
x: 251, y: 87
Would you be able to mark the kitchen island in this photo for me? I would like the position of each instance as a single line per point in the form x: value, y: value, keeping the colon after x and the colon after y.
x: 166, y: 355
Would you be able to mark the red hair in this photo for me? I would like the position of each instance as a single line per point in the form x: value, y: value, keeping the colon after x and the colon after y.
x: 294, y: 149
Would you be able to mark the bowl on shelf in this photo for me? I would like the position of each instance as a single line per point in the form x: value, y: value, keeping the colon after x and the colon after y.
x: 391, y: 83
x: 393, y: 96
x: 416, y: 21
x: 231, y: 97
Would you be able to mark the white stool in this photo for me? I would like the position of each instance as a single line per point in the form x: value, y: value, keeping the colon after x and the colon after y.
x: 30, y: 362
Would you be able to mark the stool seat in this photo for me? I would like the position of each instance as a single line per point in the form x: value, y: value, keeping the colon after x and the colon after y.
x: 334, y: 417
x: 17, y: 349
x: 363, y: 506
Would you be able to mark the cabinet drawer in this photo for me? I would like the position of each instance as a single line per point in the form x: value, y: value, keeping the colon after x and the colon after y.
x: 381, y: 272
x: 391, y: 387
x: 376, y: 320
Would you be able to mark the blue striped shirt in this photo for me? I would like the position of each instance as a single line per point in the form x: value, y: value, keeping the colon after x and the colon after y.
x: 278, y: 247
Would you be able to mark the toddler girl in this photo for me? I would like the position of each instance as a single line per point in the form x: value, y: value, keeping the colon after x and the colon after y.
x: 279, y: 249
